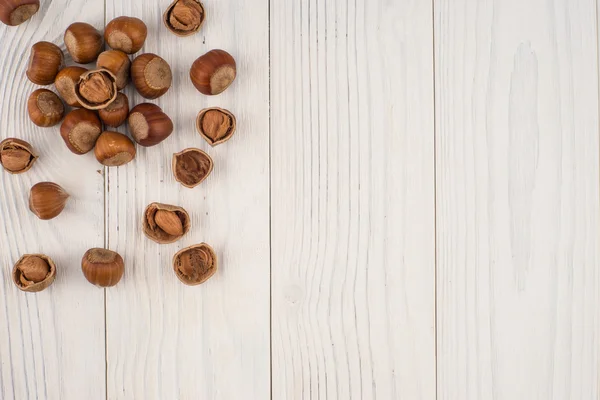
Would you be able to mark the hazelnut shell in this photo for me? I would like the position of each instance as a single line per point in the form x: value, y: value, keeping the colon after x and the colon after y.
x: 107, y: 89
x: 151, y: 227
x: 149, y: 125
x: 213, y: 72
x: 83, y: 42
x: 80, y: 130
x: 151, y: 75
x: 45, y: 61
x: 211, y: 133
x: 127, y: 34
x: 65, y: 83
x: 195, y: 264
x: 17, y: 156
x: 45, y: 108
x: 114, y: 149
x: 15, y: 12
x: 37, y: 286
x: 191, y: 167
x: 190, y: 23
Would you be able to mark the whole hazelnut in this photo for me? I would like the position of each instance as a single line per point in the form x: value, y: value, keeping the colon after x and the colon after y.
x: 96, y: 89
x: 45, y: 108
x: 34, y: 272
x: 165, y: 223
x: 83, y: 42
x: 151, y: 75
x: 15, y: 12
x: 116, y: 62
x: 47, y: 200
x: 196, y: 264
x: 149, y: 125
x: 114, y: 149
x: 103, y: 268
x: 116, y: 113
x: 184, y: 17
x: 45, y: 61
x: 65, y: 83
x: 191, y: 167
x: 213, y: 72
x: 80, y: 130
x: 16, y: 156
x: 127, y: 34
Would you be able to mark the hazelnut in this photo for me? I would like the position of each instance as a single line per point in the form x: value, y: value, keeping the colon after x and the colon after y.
x: 101, y: 267
x: 116, y: 113
x: 96, y: 89
x: 164, y: 223
x: 83, y: 42
x: 65, y: 83
x: 191, y: 167
x: 213, y: 72
x: 215, y: 125
x: 114, y: 149
x: 45, y: 108
x: 34, y: 272
x: 196, y: 264
x: 149, y: 125
x: 47, y: 200
x: 15, y: 12
x: 116, y: 62
x: 184, y: 17
x: 127, y: 34
x: 45, y: 61
x: 80, y: 130
x: 151, y: 75
x: 16, y: 156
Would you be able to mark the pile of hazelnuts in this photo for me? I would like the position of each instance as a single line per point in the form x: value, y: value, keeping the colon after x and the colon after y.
x: 96, y: 104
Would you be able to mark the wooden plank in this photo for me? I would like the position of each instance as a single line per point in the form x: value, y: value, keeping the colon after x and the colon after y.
x: 52, y: 343
x: 517, y: 199
x: 352, y: 199
x: 166, y: 340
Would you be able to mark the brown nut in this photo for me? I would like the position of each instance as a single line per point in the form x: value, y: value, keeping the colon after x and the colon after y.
x: 65, y: 83
x: 34, y: 272
x: 101, y: 267
x: 116, y: 62
x: 213, y: 72
x: 151, y: 75
x: 80, y: 130
x: 191, y: 167
x: 164, y: 223
x: 96, y: 89
x: 116, y: 113
x: 45, y: 108
x: 45, y: 61
x: 114, y: 149
x: 16, y: 156
x: 215, y: 125
x: 83, y: 42
x: 15, y: 12
x: 47, y: 200
x: 149, y: 125
x: 196, y: 264
x: 127, y: 34
x: 184, y: 17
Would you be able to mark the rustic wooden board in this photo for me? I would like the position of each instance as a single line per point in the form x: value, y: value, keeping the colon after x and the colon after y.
x: 51, y: 343
x: 352, y: 160
x: 517, y: 199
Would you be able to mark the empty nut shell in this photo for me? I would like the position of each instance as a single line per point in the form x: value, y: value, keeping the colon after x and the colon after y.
x: 45, y: 108
x: 34, y: 272
x: 184, y: 17
x: 47, y: 200
x: 45, y: 61
x: 151, y: 75
x: 191, y: 167
x: 196, y: 264
x: 65, y: 83
x: 149, y: 125
x: 101, y: 267
x: 83, y: 42
x: 116, y: 62
x: 127, y: 34
x: 80, y: 130
x: 96, y: 89
x: 213, y: 72
x: 15, y: 12
x: 164, y: 223
x: 16, y: 156
x: 114, y: 149
x: 116, y: 113
x: 215, y: 125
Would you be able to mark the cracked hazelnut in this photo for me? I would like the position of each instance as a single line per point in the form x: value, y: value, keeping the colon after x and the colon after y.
x: 80, y: 130
x: 151, y: 75
x: 45, y: 108
x: 191, y: 167
x: 116, y: 113
x: 84, y: 42
x: 114, y: 149
x: 127, y: 34
x: 149, y: 125
x: 65, y: 83
x: 96, y: 89
x: 16, y: 156
x: 164, y: 223
x: 103, y: 268
x: 196, y: 264
x: 34, y: 272
x: 184, y: 17
x: 45, y: 61
x: 118, y: 63
x: 213, y: 72
x: 215, y: 125
x: 15, y: 12
x: 47, y: 200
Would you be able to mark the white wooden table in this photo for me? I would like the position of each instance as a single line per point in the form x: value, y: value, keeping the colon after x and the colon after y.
x: 410, y: 209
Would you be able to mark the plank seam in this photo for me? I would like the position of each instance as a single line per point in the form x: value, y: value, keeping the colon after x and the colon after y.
x: 435, y: 196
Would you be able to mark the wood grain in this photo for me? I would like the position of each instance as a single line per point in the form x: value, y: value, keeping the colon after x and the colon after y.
x: 166, y: 340
x: 517, y: 199
x: 352, y: 200
x: 51, y: 343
